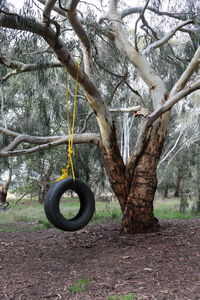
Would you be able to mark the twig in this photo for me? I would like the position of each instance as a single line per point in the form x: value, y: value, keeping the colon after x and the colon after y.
x: 61, y: 7
x: 136, y: 23
x: 118, y: 84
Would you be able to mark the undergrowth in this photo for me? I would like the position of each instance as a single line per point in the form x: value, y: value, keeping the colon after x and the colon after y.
x: 33, y: 213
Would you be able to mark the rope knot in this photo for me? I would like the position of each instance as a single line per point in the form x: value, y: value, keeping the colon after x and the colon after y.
x: 70, y: 152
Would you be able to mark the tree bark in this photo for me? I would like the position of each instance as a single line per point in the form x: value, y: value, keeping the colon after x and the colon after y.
x: 42, y: 192
x: 4, y: 187
x: 165, y: 190
x: 178, y: 184
x: 44, y: 185
x: 138, y: 215
x: 3, y: 194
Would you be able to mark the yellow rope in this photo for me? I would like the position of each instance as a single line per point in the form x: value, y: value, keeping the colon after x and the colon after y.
x: 70, y: 129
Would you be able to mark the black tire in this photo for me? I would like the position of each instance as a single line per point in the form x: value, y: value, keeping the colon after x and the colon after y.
x: 52, y: 200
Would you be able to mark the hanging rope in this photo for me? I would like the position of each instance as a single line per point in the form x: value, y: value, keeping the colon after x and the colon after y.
x: 70, y: 129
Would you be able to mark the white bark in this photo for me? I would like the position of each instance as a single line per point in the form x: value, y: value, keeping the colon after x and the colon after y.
x: 138, y: 10
x: 195, y: 85
x: 153, y: 81
x: 191, y: 68
x: 170, y: 151
x: 45, y: 143
x: 20, y: 67
x: 165, y: 38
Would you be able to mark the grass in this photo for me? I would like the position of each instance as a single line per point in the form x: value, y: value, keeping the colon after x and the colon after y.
x: 80, y: 285
x: 169, y: 209
x: 33, y: 213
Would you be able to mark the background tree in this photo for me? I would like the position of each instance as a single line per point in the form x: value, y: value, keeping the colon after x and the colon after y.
x: 139, y: 60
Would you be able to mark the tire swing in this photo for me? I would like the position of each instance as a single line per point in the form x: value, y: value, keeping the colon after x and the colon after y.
x: 65, y: 183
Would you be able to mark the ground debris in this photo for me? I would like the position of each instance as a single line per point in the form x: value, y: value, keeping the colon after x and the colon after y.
x: 46, y: 264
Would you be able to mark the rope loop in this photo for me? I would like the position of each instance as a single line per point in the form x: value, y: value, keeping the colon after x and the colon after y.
x: 70, y: 128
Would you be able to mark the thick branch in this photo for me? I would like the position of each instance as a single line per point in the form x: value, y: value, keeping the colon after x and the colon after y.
x: 191, y: 68
x: 55, y: 8
x: 49, y: 4
x: 41, y: 140
x: 139, y: 61
x: 137, y: 111
x: 81, y: 33
x: 46, y: 143
x: 22, y: 68
x: 195, y: 85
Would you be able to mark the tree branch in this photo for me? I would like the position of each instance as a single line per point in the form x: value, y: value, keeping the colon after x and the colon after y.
x: 145, y: 130
x: 154, y: 82
x: 191, y: 68
x: 170, y: 151
x: 124, y: 77
x: 77, y: 140
x: 49, y: 4
x: 81, y: 33
x: 138, y: 10
x: 29, y: 24
x: 165, y: 38
x: 135, y: 110
x: 42, y: 142
x: 193, y: 86
x: 119, y: 76
x: 136, y: 23
x: 86, y: 121
x: 55, y: 8
x: 22, y: 68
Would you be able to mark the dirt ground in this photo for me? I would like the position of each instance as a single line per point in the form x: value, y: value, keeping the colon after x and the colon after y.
x: 44, y: 264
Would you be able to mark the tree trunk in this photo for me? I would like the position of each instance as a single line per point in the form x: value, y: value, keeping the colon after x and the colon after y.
x: 178, y: 184
x: 138, y: 215
x: 198, y: 178
x: 4, y: 187
x: 42, y: 193
x: 135, y: 184
x: 3, y: 193
x: 165, y: 191
x: 44, y: 185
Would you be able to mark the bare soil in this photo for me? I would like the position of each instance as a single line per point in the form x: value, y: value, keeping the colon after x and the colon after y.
x: 44, y: 264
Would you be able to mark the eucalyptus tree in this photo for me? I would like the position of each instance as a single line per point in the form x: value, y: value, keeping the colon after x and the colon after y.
x: 179, y: 160
x: 164, y: 30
